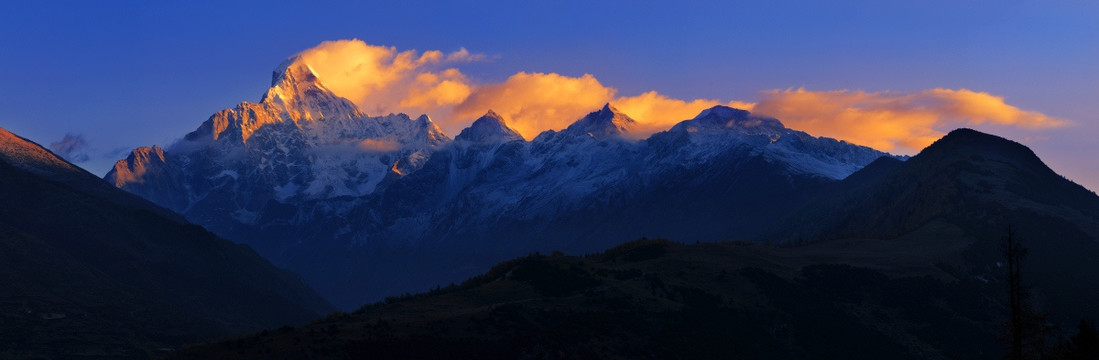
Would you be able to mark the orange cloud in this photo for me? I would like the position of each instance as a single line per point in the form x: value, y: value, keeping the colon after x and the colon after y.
x: 377, y: 146
x: 381, y: 79
x: 888, y: 121
x: 535, y: 102
x: 655, y: 112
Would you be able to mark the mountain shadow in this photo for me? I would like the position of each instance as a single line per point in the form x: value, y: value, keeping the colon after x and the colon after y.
x: 89, y: 271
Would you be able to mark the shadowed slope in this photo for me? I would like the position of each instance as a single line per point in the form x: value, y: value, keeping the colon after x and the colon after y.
x: 979, y: 183
x: 87, y: 275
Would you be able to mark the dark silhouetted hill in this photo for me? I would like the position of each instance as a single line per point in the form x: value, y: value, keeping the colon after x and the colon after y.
x: 89, y: 271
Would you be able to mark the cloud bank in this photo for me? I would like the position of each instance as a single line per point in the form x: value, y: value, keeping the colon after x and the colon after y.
x: 535, y: 102
x: 381, y: 80
x: 889, y: 121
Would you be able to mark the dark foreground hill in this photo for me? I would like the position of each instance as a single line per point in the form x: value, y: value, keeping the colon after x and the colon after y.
x: 88, y: 271
x: 979, y: 184
x: 656, y: 299
x: 899, y: 260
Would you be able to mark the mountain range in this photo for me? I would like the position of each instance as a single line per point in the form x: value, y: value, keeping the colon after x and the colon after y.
x: 899, y: 260
x: 780, y: 244
x: 369, y: 206
x: 90, y: 271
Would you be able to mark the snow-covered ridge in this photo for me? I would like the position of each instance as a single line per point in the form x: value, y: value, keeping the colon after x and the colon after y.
x: 720, y: 126
x: 489, y: 128
x: 296, y: 96
x: 604, y: 123
x: 300, y: 141
x: 305, y: 173
x: 719, y: 117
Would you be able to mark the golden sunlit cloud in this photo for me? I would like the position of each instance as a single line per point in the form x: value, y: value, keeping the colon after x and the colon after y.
x: 381, y: 80
x: 888, y: 121
x: 535, y: 102
x: 377, y: 146
x: 657, y: 112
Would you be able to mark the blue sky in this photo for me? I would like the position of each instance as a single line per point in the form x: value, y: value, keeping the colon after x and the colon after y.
x: 124, y: 74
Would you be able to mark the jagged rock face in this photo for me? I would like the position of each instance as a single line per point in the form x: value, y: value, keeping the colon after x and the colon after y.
x: 300, y: 142
x: 488, y: 129
x: 366, y: 206
x: 605, y: 123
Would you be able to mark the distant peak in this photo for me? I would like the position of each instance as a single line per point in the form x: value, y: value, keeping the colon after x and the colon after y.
x: 728, y: 117
x: 723, y: 111
x: 133, y: 169
x: 964, y: 137
x: 489, y: 128
x: 292, y: 69
x: 966, y: 143
x: 609, y: 112
x: 603, y: 123
x: 299, y: 93
x: 292, y: 78
x: 146, y: 154
x: 967, y: 132
x: 493, y: 115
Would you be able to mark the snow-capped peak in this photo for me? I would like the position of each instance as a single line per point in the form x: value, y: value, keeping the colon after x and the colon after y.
x: 132, y: 170
x: 489, y: 128
x: 296, y: 95
x: 433, y: 135
x: 289, y: 68
x: 297, y: 92
x: 604, y: 123
x: 725, y: 116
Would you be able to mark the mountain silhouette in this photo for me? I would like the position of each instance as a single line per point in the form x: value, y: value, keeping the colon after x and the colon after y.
x: 91, y: 271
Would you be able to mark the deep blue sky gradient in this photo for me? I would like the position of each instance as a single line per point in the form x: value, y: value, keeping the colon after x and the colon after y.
x: 124, y: 74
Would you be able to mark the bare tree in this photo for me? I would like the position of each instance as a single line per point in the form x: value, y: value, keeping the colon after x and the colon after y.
x: 1026, y: 330
x: 1014, y: 252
